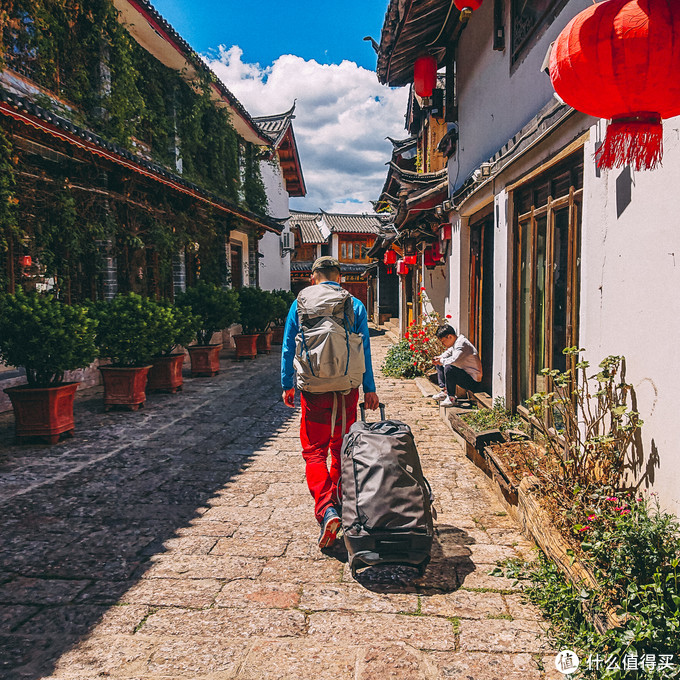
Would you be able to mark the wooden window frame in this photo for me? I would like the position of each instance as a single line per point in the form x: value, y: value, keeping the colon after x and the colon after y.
x: 574, y: 202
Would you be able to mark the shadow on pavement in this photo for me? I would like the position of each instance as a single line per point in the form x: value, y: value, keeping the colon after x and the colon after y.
x: 450, y: 562
x: 71, y: 548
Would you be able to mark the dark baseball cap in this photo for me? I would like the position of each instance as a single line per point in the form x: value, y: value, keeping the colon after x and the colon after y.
x: 325, y: 262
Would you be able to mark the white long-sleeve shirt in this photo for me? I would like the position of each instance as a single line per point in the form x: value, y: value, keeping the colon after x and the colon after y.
x: 463, y: 355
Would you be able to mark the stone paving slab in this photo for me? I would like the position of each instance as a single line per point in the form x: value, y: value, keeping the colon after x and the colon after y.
x: 179, y: 543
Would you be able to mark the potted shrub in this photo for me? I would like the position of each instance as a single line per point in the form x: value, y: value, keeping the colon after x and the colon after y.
x: 255, y: 317
x: 47, y: 338
x: 131, y: 331
x: 272, y: 308
x: 214, y: 308
x: 179, y: 324
x: 287, y: 297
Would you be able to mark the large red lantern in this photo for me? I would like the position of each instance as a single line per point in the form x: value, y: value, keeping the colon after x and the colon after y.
x: 425, y: 76
x: 467, y: 4
x: 620, y: 59
x: 411, y: 260
x: 390, y: 257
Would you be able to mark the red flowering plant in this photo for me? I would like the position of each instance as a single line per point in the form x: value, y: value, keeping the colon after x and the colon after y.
x: 414, y: 354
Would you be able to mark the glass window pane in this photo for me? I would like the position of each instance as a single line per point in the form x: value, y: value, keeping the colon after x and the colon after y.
x: 539, y: 301
x: 560, y: 288
x: 525, y: 251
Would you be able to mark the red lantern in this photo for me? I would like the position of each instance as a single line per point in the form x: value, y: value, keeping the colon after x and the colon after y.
x: 26, y: 261
x: 467, y: 4
x: 402, y: 269
x: 425, y: 76
x: 411, y: 259
x: 445, y: 231
x: 620, y: 60
x: 432, y: 255
x: 390, y: 257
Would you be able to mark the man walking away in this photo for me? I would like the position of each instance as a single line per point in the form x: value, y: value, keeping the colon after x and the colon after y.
x: 459, y: 364
x: 327, y: 355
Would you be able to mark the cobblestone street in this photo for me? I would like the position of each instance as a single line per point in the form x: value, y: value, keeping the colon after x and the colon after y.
x: 179, y: 542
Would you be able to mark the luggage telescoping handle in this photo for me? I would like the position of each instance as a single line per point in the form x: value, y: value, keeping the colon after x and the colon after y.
x: 362, y: 408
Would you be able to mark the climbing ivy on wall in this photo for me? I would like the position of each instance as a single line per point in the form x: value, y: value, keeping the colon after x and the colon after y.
x: 253, y: 186
x: 78, y: 50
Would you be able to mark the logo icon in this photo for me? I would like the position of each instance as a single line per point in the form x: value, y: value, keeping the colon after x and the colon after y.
x: 566, y: 661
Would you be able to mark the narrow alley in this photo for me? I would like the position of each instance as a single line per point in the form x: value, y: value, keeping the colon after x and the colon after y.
x: 180, y: 542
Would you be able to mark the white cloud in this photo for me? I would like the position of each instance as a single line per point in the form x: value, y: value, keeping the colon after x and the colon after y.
x: 342, y: 118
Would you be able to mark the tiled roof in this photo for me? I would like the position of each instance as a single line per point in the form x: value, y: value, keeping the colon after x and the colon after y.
x: 275, y: 126
x: 352, y: 223
x: 345, y: 267
x: 309, y: 230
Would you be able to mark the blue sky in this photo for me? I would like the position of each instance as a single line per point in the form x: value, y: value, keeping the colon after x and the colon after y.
x: 270, y: 54
x: 265, y: 29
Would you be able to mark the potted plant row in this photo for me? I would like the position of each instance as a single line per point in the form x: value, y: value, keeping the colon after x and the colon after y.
x: 46, y: 338
x: 178, y: 329
x: 287, y: 297
x: 213, y: 308
x: 131, y: 331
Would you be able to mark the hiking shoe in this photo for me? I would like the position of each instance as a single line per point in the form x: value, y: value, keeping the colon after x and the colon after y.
x: 329, y: 528
x: 447, y: 402
x: 440, y: 396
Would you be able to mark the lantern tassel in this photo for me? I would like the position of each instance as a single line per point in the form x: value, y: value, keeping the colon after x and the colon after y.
x: 634, y: 140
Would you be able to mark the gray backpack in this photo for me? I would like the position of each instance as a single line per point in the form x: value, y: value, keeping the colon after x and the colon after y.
x: 328, y: 356
x: 386, y: 500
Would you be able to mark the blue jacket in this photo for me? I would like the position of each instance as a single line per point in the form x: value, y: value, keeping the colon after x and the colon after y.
x: 293, y: 327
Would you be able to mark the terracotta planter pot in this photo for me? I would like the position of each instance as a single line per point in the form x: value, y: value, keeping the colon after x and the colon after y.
x: 205, y: 360
x: 277, y: 337
x: 246, y: 346
x: 124, y: 386
x: 43, y: 411
x: 166, y: 374
x: 264, y: 342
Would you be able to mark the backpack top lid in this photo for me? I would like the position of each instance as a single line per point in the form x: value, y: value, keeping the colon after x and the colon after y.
x: 323, y: 300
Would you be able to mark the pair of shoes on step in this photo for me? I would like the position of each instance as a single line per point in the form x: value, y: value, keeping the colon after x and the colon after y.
x: 451, y: 402
x: 330, y: 526
x: 440, y: 396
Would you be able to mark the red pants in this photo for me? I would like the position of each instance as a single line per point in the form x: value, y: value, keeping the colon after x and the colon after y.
x: 316, y: 440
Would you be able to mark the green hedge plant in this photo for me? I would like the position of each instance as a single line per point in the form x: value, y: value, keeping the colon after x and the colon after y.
x: 214, y: 308
x: 178, y: 325
x: 132, y: 329
x: 257, y: 310
x: 45, y: 336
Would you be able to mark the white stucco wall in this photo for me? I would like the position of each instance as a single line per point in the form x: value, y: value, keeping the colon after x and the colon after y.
x: 274, y: 271
x: 630, y: 278
x: 497, y: 99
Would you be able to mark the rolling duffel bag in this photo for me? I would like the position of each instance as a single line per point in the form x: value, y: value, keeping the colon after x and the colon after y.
x: 386, y: 500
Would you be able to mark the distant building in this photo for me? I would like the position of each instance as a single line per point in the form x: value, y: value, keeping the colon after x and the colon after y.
x: 282, y: 176
x: 347, y: 237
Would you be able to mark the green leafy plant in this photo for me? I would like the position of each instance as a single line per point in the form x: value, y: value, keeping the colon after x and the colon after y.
x: 636, y: 560
x: 215, y: 308
x: 258, y: 310
x: 132, y: 329
x: 45, y: 336
x: 400, y: 362
x: 178, y: 325
x: 586, y: 427
x: 497, y: 417
x: 287, y: 297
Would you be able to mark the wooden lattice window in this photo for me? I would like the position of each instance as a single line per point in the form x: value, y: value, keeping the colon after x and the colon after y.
x: 529, y: 20
x: 547, y: 275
